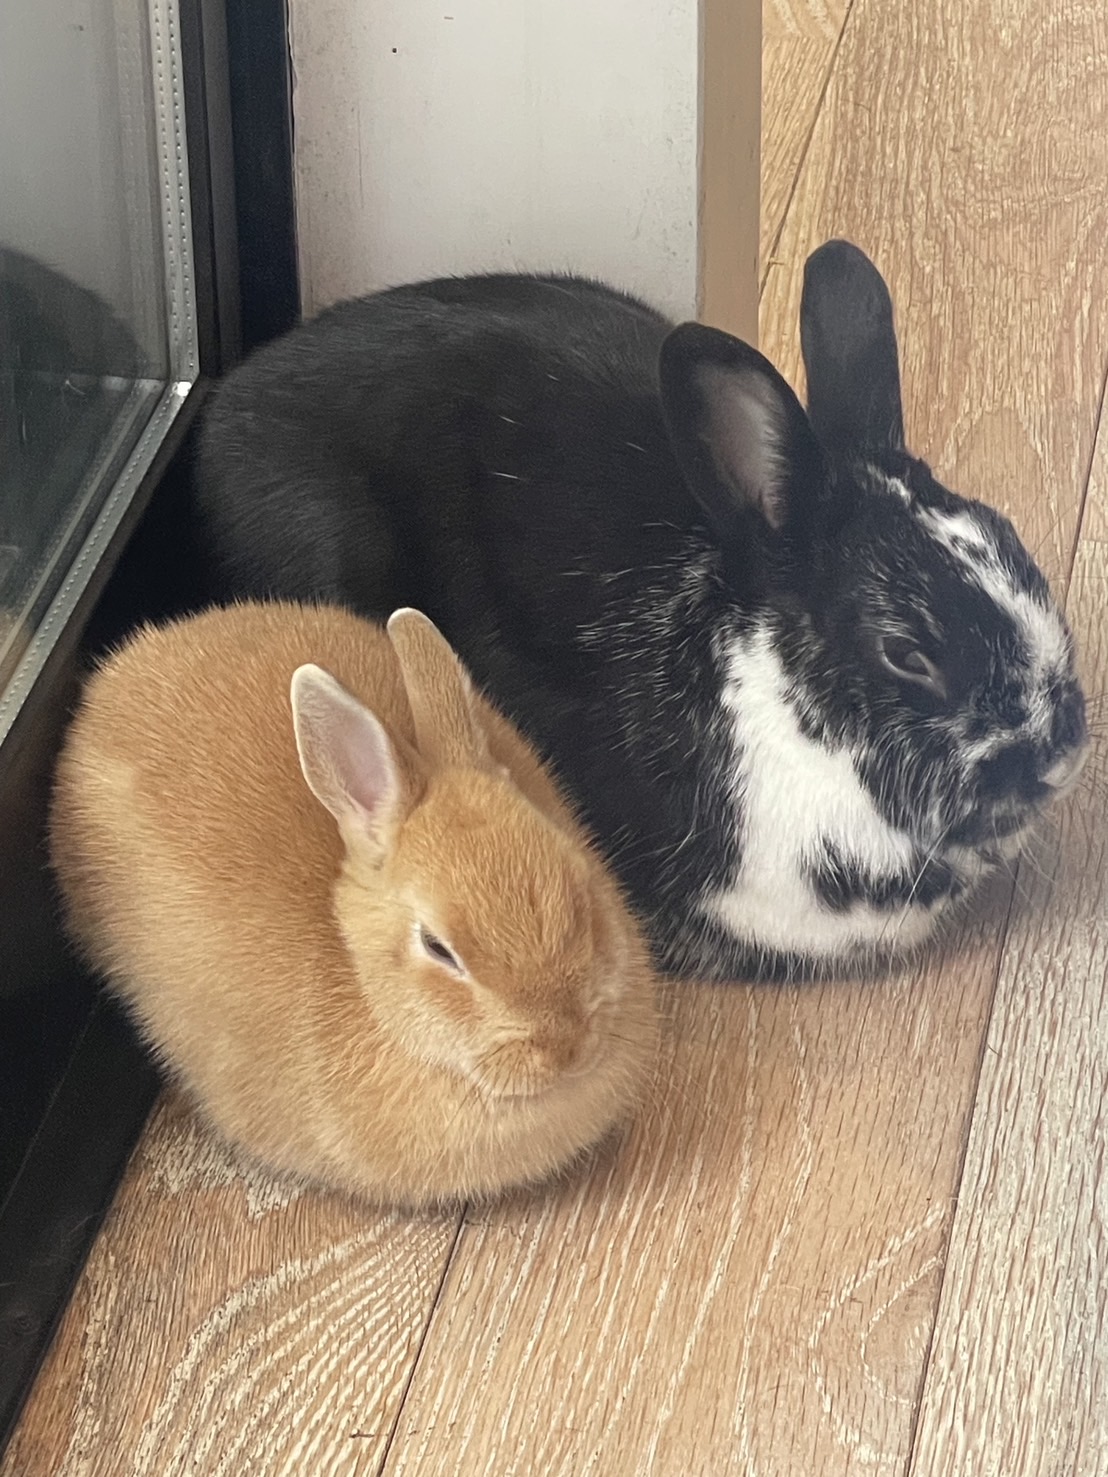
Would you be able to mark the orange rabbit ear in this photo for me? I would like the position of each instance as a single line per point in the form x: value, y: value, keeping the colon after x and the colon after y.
x: 440, y: 693
x: 345, y: 756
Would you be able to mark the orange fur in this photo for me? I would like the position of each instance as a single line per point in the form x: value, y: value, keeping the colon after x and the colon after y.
x: 274, y: 962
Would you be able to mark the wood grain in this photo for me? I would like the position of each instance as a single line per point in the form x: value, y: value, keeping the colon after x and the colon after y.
x: 1018, y: 1377
x: 229, y: 1323
x: 799, y: 38
x: 751, y: 1290
x: 750, y: 1285
x: 965, y: 147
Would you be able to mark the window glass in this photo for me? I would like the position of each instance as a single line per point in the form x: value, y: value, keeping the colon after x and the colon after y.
x: 96, y: 327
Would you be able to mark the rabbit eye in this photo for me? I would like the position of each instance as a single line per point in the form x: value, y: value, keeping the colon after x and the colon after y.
x: 435, y: 949
x: 908, y: 663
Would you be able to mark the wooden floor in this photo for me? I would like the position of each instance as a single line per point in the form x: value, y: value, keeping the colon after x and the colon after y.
x: 864, y: 1229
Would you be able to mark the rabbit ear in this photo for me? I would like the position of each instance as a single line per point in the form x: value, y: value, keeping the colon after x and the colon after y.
x: 345, y: 756
x: 849, y: 344
x: 440, y: 693
x: 739, y: 433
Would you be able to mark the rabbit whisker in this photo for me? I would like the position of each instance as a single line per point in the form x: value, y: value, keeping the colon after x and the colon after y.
x: 905, y: 910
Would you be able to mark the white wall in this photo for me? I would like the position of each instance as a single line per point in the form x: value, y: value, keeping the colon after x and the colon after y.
x: 447, y: 136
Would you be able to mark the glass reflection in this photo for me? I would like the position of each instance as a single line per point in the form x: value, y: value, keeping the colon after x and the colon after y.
x: 91, y: 198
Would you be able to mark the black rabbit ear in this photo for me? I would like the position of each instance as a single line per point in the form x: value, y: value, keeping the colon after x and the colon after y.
x: 740, y: 434
x: 849, y: 344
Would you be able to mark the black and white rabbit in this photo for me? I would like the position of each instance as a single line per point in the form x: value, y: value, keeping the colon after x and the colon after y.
x: 804, y: 695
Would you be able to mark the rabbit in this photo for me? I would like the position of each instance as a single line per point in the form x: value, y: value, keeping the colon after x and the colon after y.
x: 805, y: 696
x: 347, y: 906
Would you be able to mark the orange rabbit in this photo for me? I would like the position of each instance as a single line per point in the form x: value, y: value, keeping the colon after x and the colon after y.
x: 348, y: 907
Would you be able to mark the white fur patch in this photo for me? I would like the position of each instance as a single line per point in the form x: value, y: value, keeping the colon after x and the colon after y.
x: 1039, y: 624
x: 893, y: 485
x: 794, y: 796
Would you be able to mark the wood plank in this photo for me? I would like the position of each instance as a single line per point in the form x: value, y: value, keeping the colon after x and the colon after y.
x: 1018, y: 1377
x: 983, y: 202
x: 751, y: 1289
x: 228, y: 1323
x: 799, y: 38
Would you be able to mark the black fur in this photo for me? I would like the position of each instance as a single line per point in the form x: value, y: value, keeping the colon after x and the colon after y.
x: 842, y: 881
x: 593, y: 507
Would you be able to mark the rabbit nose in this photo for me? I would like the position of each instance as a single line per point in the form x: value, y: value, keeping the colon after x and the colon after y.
x: 561, y: 1048
x: 1065, y: 768
x: 1069, y: 741
x: 556, y: 1057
